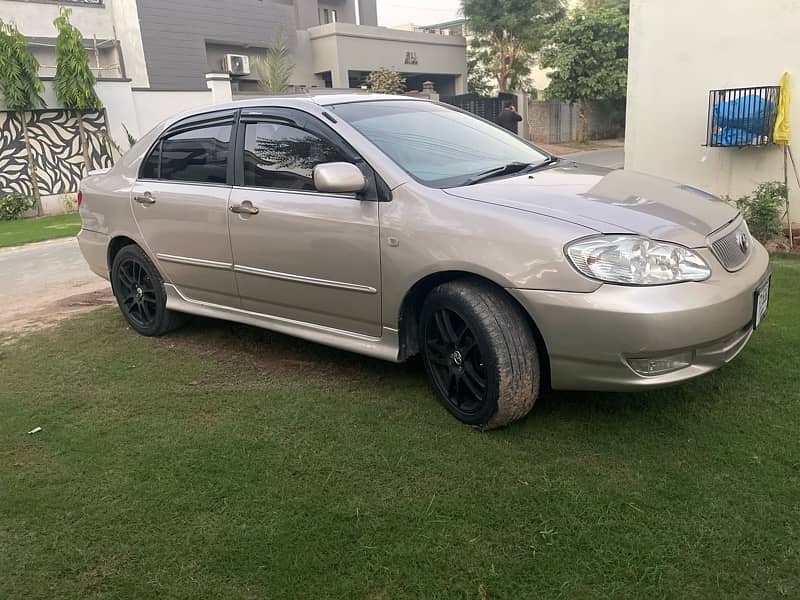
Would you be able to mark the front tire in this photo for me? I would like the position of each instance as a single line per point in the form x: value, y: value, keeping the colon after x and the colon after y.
x: 139, y: 290
x: 480, y: 354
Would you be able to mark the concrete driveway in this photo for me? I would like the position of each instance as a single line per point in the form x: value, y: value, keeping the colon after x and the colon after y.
x: 46, y: 282
x: 613, y: 158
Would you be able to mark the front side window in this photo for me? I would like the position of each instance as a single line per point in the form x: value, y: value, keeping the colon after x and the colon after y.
x: 283, y: 156
x: 198, y: 155
x: 438, y: 146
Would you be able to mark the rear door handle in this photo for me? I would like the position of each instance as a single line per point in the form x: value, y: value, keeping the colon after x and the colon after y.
x: 244, y: 209
x: 146, y: 198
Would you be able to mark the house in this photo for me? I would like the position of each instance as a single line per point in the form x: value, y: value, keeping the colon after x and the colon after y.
x: 155, y: 58
x: 166, y: 50
x: 681, y: 50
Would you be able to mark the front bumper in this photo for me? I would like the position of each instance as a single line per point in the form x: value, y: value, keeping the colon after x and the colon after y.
x: 589, y: 336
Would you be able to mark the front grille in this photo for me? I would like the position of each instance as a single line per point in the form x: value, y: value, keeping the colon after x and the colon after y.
x: 733, y: 249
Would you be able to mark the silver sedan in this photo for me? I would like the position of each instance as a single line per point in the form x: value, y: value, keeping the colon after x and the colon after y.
x: 394, y: 227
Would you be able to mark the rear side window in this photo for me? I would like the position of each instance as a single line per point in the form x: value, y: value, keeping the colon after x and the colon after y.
x: 283, y: 156
x: 197, y: 155
x: 152, y: 163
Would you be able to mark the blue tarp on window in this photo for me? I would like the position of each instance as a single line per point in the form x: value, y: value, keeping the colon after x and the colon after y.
x: 741, y: 122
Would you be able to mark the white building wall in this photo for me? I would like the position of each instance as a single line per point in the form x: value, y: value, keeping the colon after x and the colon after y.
x: 339, y: 47
x: 682, y: 49
x: 125, y: 17
x: 35, y: 19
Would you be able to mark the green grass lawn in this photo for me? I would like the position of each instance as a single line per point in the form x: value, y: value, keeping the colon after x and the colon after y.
x: 227, y: 462
x: 25, y: 231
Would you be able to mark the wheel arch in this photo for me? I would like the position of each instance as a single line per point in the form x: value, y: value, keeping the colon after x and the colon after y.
x: 116, y: 244
x: 411, y: 308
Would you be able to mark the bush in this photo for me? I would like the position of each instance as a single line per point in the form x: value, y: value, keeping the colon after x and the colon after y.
x: 386, y: 81
x: 14, y: 206
x: 762, y: 209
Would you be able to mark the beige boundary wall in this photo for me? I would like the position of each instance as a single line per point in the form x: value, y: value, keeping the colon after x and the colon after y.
x: 682, y: 49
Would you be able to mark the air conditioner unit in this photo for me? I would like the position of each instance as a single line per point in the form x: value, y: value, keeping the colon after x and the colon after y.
x: 236, y: 64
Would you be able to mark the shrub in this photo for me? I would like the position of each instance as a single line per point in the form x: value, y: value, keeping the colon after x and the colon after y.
x: 14, y: 205
x: 70, y: 203
x: 762, y: 209
x: 386, y: 81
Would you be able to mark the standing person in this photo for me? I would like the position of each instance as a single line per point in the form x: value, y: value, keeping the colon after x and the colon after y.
x: 509, y: 117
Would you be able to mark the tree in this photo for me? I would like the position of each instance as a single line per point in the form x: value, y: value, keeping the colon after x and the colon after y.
x: 386, y: 81
x: 274, y: 70
x: 508, y: 33
x: 20, y: 87
x: 478, y: 76
x: 623, y: 5
x: 74, y: 81
x: 588, y: 51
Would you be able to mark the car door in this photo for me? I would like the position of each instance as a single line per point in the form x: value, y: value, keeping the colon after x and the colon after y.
x: 180, y: 203
x: 299, y: 254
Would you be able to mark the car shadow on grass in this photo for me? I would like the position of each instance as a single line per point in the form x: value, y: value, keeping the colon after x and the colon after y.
x: 286, y: 357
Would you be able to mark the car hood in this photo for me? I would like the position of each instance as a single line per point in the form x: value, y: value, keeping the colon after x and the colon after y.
x: 610, y: 202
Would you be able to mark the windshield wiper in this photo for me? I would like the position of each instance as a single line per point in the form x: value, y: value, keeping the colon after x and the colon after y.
x: 510, y: 169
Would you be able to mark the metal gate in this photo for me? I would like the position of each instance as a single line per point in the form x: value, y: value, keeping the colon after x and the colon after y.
x: 483, y: 106
x: 561, y: 122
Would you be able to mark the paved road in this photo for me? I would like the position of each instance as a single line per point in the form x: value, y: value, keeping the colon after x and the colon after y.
x: 613, y: 158
x: 41, y: 282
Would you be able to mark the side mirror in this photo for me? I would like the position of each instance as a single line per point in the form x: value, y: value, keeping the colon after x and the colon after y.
x: 338, y: 178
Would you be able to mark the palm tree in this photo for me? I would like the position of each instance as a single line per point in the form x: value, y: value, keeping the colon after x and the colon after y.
x: 274, y: 69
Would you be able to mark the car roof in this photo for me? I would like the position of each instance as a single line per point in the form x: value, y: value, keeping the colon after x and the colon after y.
x: 316, y: 98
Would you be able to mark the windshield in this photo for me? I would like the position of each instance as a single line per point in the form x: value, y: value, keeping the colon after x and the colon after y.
x: 438, y: 146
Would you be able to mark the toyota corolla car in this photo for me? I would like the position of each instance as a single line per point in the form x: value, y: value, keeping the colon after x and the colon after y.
x: 392, y: 227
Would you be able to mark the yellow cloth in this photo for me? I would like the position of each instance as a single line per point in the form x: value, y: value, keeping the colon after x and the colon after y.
x: 782, y: 128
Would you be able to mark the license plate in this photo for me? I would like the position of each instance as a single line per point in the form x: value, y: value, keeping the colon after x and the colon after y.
x: 760, y: 304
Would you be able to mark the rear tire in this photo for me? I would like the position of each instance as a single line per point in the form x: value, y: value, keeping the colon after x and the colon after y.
x: 139, y: 290
x: 480, y: 354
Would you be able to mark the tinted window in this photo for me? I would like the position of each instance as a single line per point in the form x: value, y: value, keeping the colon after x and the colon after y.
x: 199, y: 155
x: 282, y: 156
x: 151, y: 163
x: 438, y: 146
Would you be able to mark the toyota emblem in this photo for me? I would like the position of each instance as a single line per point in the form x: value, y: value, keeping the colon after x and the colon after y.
x: 744, y: 241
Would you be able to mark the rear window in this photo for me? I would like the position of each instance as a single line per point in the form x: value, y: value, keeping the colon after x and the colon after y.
x: 198, y: 155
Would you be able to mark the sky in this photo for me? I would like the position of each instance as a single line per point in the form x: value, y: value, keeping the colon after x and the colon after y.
x: 419, y: 12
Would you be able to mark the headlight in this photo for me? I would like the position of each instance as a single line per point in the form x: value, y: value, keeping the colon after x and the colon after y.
x: 635, y: 260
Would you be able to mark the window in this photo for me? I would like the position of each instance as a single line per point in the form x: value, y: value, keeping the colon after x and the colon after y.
x: 328, y: 15
x: 198, y: 155
x: 283, y: 156
x: 152, y: 163
x: 438, y: 146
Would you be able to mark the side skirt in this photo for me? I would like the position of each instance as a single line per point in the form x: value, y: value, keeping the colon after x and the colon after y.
x: 385, y: 347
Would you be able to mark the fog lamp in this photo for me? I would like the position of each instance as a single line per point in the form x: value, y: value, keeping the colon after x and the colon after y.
x: 658, y: 365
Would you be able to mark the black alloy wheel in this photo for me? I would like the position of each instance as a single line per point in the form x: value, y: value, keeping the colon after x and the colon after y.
x: 137, y: 293
x: 140, y: 293
x: 456, y: 363
x: 480, y: 353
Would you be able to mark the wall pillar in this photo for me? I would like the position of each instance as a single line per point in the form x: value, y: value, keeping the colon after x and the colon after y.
x: 523, y: 128
x: 429, y: 91
x: 461, y: 84
x: 220, y: 86
x: 340, y: 78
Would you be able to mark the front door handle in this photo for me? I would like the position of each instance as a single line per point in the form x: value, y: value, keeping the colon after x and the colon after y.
x: 245, y: 208
x: 146, y: 198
